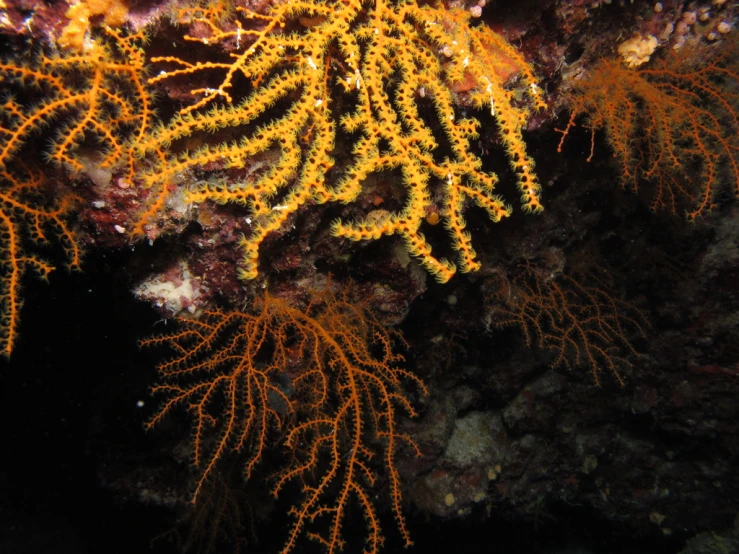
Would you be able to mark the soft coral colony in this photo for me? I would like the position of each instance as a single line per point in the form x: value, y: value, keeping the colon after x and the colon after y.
x: 96, y: 103
x: 356, y: 68
x: 347, y: 386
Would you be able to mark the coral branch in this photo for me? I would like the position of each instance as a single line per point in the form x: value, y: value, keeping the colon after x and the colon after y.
x: 26, y: 219
x: 581, y: 325
x: 384, y: 73
x: 674, y: 125
x: 326, y: 376
x: 94, y: 101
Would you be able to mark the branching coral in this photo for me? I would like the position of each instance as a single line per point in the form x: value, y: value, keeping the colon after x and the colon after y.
x: 374, y: 69
x: 580, y: 324
x: 27, y: 219
x: 326, y: 376
x: 96, y: 100
x: 675, y: 125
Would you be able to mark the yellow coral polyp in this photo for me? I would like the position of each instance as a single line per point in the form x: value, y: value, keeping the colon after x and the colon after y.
x: 385, y: 57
